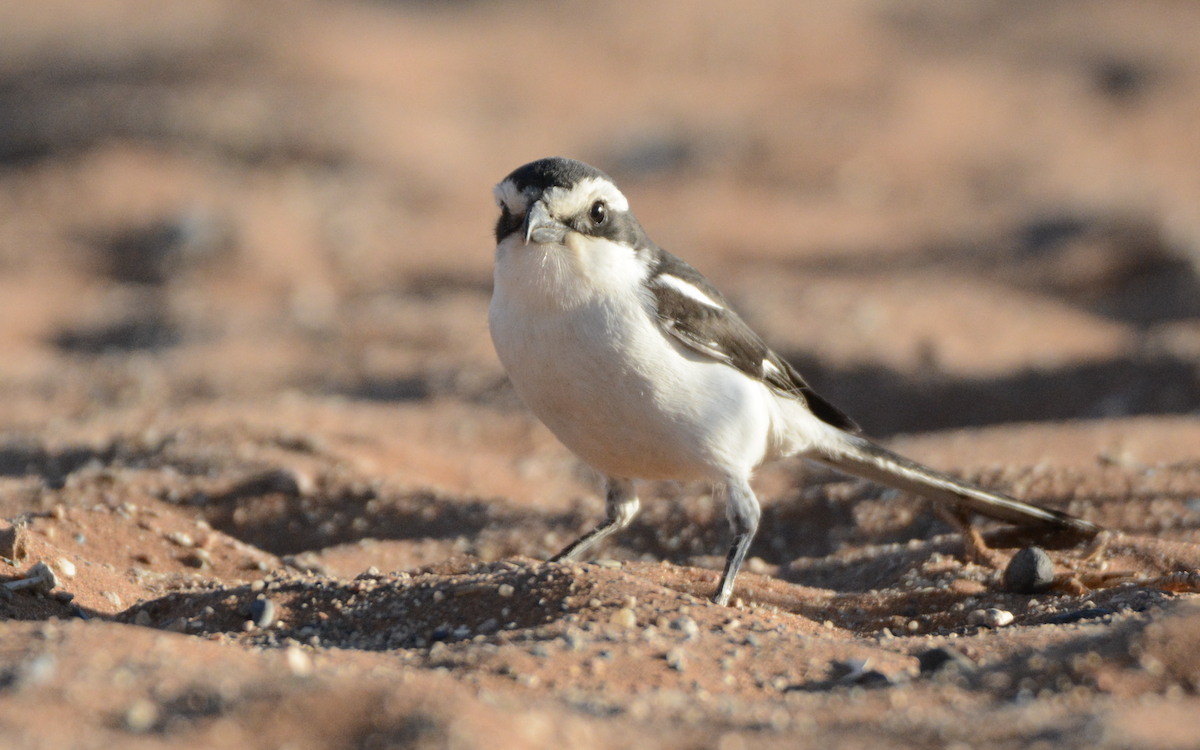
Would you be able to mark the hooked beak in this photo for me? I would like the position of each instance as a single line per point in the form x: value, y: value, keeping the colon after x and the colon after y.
x: 542, y: 228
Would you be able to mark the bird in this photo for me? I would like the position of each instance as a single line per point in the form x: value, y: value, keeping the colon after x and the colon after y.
x: 640, y: 366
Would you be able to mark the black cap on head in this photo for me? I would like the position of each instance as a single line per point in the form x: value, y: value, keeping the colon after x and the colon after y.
x: 554, y: 171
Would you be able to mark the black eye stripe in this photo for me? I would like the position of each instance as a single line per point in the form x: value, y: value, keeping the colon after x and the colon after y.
x: 507, y: 223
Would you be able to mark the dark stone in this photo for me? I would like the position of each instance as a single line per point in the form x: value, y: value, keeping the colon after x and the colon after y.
x: 943, y: 659
x: 1091, y: 613
x: 262, y: 612
x: 1031, y: 571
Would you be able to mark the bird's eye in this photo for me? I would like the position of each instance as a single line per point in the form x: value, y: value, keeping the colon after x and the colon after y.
x: 599, y: 213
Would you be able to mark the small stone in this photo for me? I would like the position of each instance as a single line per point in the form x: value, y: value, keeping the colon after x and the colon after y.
x: 505, y: 590
x: 66, y: 567
x: 938, y: 659
x: 14, y: 541
x: 574, y: 639
x: 990, y: 618
x: 676, y: 659
x: 623, y: 618
x: 112, y: 598
x: 438, y: 596
x: 40, y: 578
x: 258, y: 585
x: 262, y: 612
x: 299, y: 662
x: 141, y: 716
x: 199, y: 559
x: 64, y: 596
x: 1031, y: 571
x: 183, y: 539
x: 142, y: 619
x: 857, y: 672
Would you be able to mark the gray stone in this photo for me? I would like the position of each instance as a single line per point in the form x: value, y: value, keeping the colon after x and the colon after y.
x: 1031, y: 571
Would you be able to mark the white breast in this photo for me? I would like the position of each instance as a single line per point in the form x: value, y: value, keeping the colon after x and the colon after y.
x: 584, y: 353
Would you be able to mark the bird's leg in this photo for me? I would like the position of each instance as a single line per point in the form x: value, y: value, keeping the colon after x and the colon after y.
x: 974, y: 547
x: 744, y: 512
x: 621, y: 503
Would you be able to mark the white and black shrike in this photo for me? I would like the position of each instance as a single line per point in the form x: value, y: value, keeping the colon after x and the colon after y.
x: 638, y: 365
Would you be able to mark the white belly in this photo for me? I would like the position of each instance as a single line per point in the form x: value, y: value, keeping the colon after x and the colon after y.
x: 622, y: 395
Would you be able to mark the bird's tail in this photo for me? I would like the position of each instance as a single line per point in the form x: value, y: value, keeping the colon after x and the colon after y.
x: 862, y: 458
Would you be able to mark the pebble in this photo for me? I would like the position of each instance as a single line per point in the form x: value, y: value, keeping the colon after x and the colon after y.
x: 1031, y: 571
x: 66, y: 567
x: 299, y: 662
x: 688, y: 627
x: 608, y: 563
x: 142, y: 619
x: 262, y: 612
x: 858, y: 672
x: 676, y: 659
x: 623, y: 618
x: 505, y: 590
x: 141, y: 715
x: 183, y: 539
x: 939, y: 659
x: 40, y: 578
x: 574, y: 639
x: 990, y: 618
x: 1087, y: 613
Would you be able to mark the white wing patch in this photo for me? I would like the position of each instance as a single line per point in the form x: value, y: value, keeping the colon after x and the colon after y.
x: 692, y: 292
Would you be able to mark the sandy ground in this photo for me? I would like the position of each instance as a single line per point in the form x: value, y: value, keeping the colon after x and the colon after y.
x: 252, y: 423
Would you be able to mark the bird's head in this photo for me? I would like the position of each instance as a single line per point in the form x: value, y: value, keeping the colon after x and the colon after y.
x: 548, y: 201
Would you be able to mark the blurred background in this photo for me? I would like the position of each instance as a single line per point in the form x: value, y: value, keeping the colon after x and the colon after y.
x: 947, y: 213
